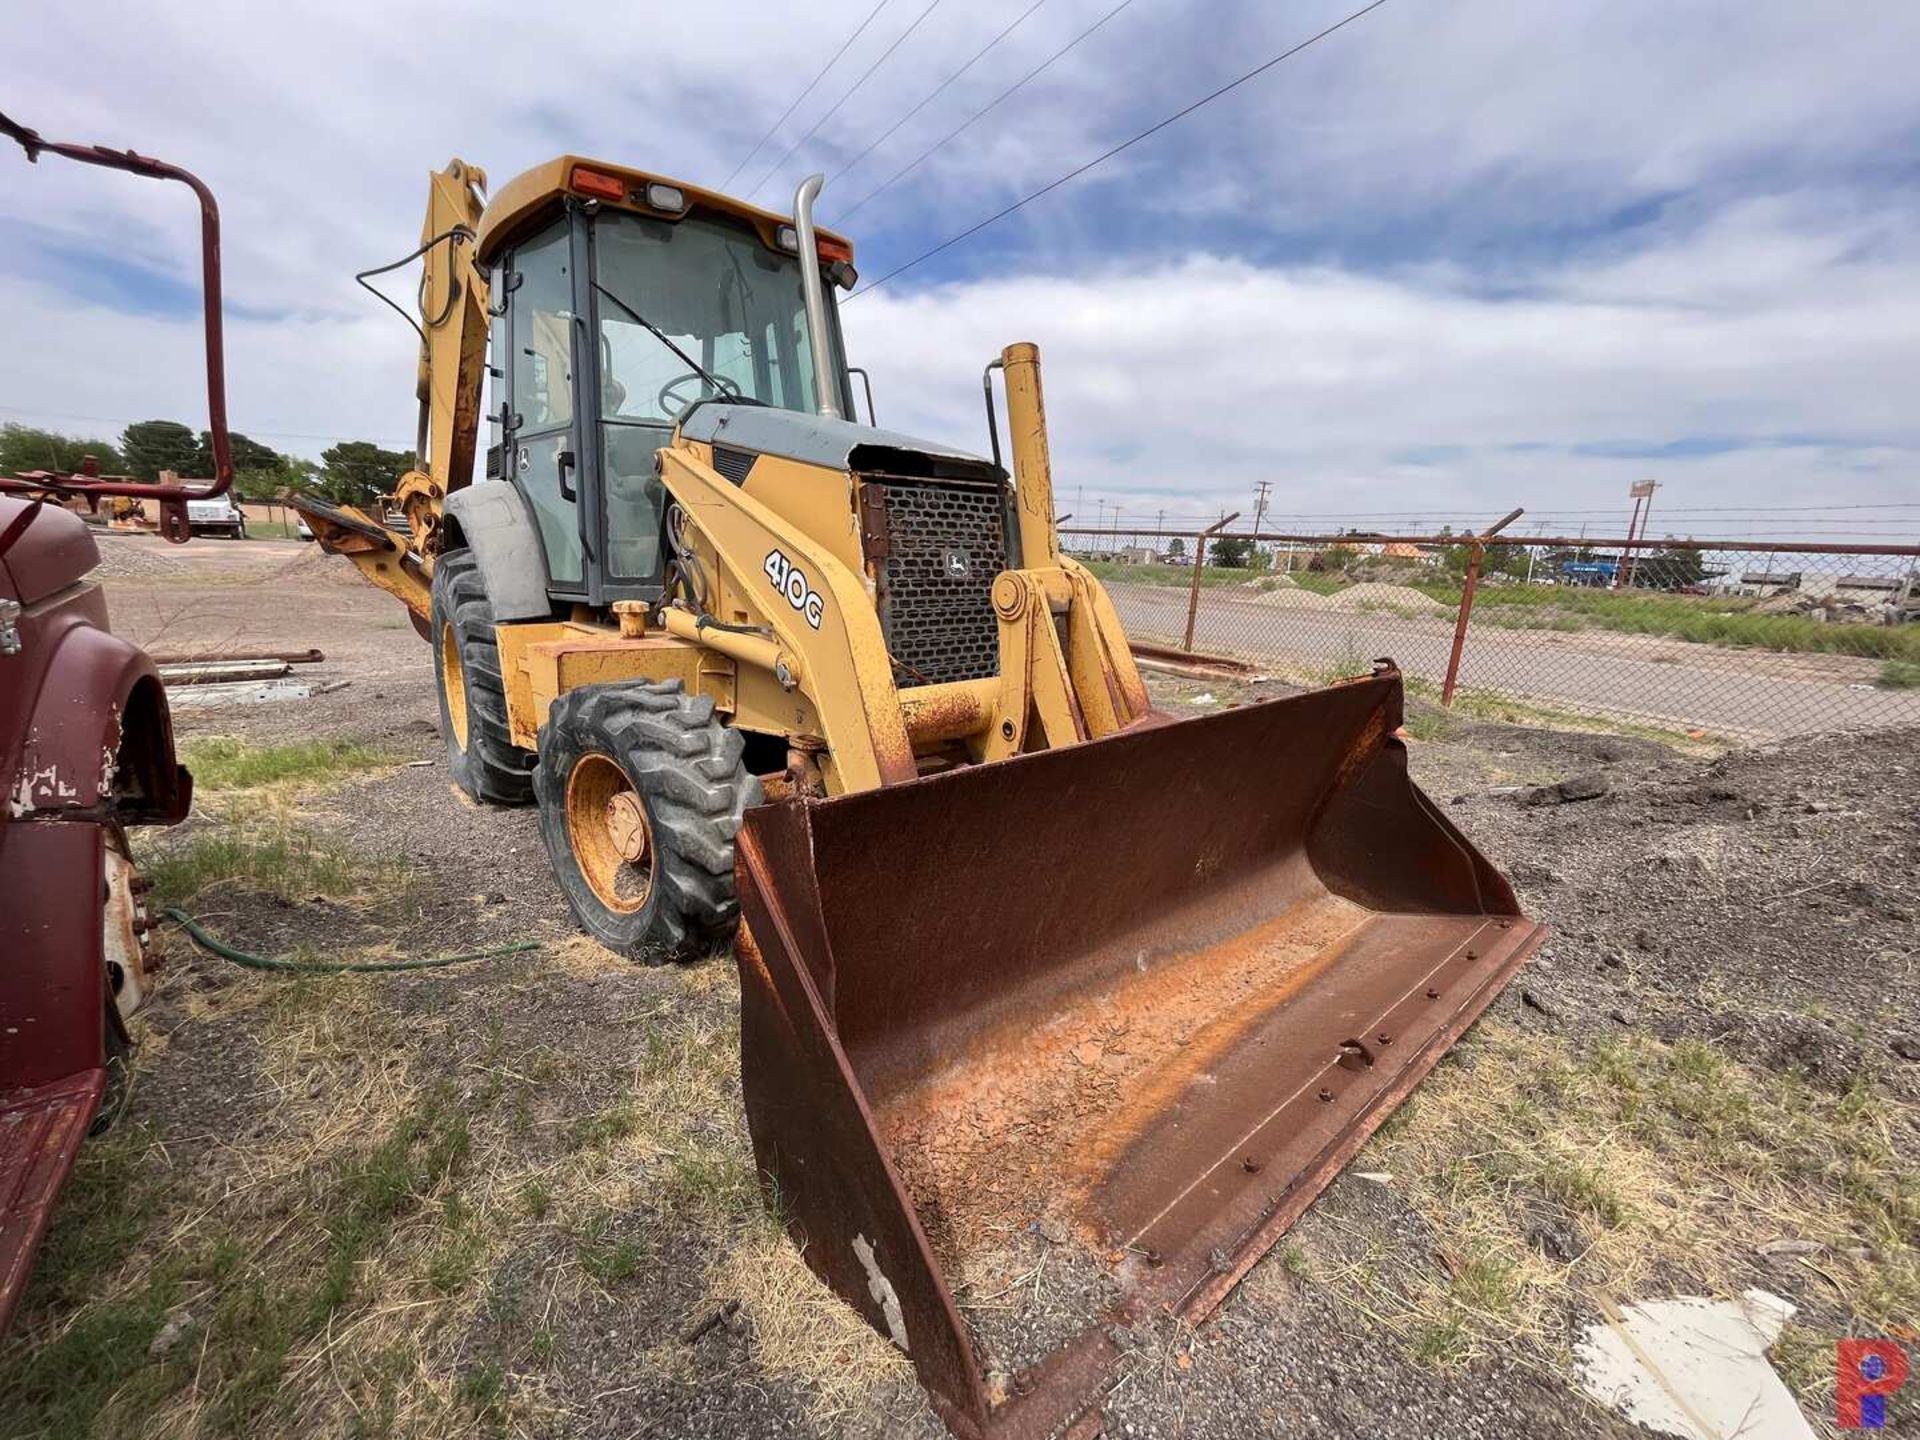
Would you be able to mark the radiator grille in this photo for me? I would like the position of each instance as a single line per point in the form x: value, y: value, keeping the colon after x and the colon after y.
x: 944, y: 544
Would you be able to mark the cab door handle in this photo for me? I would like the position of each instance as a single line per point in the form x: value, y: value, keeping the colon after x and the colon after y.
x: 563, y: 462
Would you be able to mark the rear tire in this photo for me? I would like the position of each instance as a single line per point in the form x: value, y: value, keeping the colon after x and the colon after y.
x: 641, y: 791
x: 481, y: 755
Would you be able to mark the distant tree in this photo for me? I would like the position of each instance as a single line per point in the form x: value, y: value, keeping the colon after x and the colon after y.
x: 23, y: 447
x: 1232, y: 552
x: 1668, y: 569
x: 355, y: 472
x: 259, y: 471
x: 1177, y: 550
x: 1496, y: 559
x: 248, y: 454
x: 272, y: 482
x: 1334, y: 558
x: 155, y: 445
x: 1505, y: 560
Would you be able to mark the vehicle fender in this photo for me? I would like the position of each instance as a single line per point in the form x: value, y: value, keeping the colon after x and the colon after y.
x: 495, y: 522
x: 98, y: 738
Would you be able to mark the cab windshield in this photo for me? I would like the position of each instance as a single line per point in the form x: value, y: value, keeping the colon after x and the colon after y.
x: 717, y: 293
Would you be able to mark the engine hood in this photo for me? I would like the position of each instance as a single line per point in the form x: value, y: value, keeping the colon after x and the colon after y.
x: 835, y: 444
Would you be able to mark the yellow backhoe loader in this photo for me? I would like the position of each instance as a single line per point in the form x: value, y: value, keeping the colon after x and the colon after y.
x: 1022, y: 955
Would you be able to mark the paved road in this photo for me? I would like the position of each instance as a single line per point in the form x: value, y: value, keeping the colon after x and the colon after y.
x: 1748, y: 694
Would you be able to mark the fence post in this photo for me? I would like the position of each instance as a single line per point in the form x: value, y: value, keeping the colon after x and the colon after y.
x: 1199, y: 564
x: 1460, y: 624
x: 1466, y: 602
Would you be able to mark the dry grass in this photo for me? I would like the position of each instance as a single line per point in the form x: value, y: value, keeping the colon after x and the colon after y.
x: 324, y: 1265
x: 1658, y: 1169
x: 401, y: 1210
x: 800, y: 1329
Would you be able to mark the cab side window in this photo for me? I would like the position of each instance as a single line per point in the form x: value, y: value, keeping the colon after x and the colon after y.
x: 542, y: 332
x: 542, y: 445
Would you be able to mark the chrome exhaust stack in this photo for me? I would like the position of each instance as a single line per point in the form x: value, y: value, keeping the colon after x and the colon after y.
x: 814, y: 293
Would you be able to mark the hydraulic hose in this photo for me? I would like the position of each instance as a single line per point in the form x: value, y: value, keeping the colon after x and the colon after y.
x: 331, y: 967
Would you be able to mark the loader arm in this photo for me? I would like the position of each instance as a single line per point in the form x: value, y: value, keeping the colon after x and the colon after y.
x: 789, y: 602
x: 827, y: 646
x: 453, y: 300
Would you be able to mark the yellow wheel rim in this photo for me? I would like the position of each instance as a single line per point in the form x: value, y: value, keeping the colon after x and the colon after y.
x: 453, y: 682
x: 611, y: 837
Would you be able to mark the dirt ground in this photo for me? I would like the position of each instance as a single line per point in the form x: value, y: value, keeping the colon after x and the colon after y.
x: 507, y: 1197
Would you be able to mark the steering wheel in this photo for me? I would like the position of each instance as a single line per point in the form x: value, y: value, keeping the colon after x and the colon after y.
x: 671, y: 403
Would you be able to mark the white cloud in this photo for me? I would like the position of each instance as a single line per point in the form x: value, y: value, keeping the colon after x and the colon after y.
x: 1381, y: 268
x: 1184, y: 385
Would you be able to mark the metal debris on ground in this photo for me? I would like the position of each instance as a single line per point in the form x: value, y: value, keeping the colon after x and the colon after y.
x: 238, y: 692
x: 216, y: 672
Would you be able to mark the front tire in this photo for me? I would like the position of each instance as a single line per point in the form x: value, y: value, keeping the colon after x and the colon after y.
x: 641, y: 792
x: 481, y: 755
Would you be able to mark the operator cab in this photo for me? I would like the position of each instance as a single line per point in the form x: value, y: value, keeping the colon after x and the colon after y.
x: 620, y: 303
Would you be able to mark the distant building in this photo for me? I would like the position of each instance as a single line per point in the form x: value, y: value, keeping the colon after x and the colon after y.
x: 1401, y: 550
x: 1596, y: 573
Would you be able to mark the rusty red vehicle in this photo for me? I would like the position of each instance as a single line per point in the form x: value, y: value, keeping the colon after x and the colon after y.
x: 86, y: 751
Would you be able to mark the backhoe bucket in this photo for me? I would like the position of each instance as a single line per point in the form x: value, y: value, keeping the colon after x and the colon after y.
x: 1109, y: 1014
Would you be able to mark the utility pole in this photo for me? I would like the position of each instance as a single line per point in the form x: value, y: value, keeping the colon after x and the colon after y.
x: 1260, y: 489
x: 1642, y: 493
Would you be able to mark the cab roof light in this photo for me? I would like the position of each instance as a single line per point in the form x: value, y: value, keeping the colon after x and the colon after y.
x: 832, y: 252
x: 670, y: 198
x: 597, y: 182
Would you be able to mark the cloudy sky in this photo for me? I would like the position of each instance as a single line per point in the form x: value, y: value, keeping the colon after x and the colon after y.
x: 1455, y: 258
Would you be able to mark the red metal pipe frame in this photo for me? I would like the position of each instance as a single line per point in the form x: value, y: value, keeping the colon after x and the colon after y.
x: 132, y: 161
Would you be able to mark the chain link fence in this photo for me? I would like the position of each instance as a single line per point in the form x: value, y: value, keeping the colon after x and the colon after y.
x: 1723, y: 640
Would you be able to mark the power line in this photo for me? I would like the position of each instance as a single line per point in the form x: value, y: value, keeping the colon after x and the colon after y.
x: 967, y: 124
x: 941, y: 88
x: 1101, y: 159
x: 865, y: 75
x: 844, y: 46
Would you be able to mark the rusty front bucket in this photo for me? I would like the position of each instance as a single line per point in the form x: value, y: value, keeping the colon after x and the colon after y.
x: 1119, y: 1011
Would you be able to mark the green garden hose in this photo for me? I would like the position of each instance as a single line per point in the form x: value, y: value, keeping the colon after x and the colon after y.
x: 331, y: 967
